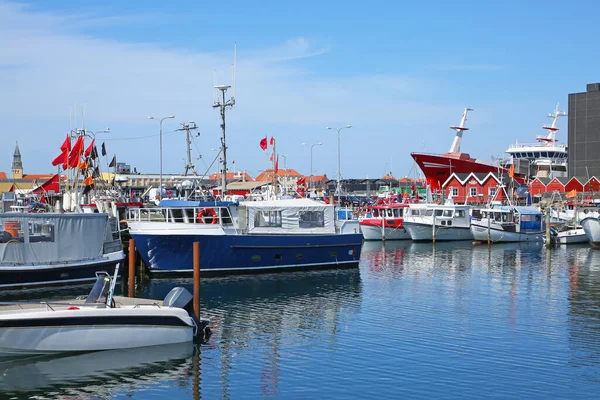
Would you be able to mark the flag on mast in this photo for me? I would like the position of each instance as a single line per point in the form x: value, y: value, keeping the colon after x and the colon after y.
x: 263, y: 143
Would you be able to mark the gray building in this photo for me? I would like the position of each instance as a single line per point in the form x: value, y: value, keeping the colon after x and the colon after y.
x: 584, y: 132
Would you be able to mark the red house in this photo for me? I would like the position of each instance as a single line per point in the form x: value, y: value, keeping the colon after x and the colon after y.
x: 556, y: 185
x: 574, y: 184
x: 538, y: 186
x: 477, y: 188
x: 592, y: 185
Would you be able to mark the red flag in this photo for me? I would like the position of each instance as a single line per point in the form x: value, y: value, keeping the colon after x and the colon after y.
x: 301, y: 181
x: 88, y: 151
x: 76, y: 152
x: 272, y: 141
x: 277, y: 164
x: 63, y: 158
x: 263, y: 143
x: 272, y: 154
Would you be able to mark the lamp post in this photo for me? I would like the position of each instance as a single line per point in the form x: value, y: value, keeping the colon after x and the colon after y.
x: 312, y: 146
x: 339, y: 188
x: 160, y: 156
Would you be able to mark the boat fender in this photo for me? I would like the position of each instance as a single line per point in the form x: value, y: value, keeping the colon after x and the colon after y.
x: 73, y: 308
x: 210, y: 211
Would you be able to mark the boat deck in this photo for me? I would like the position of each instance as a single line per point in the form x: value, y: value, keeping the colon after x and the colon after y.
x: 119, y: 300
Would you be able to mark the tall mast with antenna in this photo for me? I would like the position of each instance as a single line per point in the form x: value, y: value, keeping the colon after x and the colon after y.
x: 187, y: 127
x: 455, y: 147
x: 222, y: 104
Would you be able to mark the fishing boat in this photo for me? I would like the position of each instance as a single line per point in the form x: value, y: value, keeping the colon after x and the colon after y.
x: 437, y: 222
x: 438, y: 167
x: 591, y: 226
x: 507, y: 224
x: 39, y: 249
x: 244, y: 237
x: 96, y: 324
x: 384, y: 222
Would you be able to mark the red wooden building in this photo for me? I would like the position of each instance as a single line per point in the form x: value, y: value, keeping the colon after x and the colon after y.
x: 474, y: 187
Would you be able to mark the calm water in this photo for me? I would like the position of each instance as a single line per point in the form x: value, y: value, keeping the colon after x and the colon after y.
x: 415, y: 321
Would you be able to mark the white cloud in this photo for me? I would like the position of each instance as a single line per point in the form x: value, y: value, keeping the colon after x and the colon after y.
x: 47, y: 64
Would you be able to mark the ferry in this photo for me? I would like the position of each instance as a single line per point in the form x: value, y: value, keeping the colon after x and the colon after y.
x: 388, y: 216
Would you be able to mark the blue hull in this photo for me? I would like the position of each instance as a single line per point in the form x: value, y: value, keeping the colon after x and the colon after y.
x: 221, y: 255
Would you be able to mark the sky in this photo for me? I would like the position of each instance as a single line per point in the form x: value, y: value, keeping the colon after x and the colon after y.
x: 399, y: 72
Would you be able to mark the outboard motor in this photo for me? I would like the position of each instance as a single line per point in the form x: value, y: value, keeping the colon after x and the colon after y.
x: 179, y: 297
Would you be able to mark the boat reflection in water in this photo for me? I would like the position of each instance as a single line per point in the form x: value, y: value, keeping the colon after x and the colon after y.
x: 257, y: 317
x: 101, y: 374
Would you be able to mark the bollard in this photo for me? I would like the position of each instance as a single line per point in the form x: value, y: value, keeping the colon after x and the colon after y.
x: 197, y: 279
x: 131, y: 276
x: 548, y: 243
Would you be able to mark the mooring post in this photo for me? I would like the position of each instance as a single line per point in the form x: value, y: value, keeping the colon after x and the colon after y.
x: 433, y: 228
x: 548, y: 244
x: 197, y: 279
x: 489, y: 228
x: 131, y: 276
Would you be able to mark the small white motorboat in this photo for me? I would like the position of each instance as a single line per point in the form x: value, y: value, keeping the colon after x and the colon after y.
x: 97, y: 323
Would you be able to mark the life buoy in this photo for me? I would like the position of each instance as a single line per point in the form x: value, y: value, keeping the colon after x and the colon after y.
x: 207, y: 212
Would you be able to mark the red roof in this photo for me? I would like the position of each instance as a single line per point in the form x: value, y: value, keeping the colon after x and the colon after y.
x: 268, y: 174
x: 38, y: 176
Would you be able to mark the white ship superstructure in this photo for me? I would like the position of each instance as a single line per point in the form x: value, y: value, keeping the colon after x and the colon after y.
x: 547, y: 158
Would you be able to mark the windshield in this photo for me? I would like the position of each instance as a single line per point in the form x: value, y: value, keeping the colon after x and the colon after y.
x: 99, y: 293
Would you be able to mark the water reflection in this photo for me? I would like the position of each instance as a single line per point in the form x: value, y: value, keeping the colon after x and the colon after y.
x: 253, y: 317
x: 100, y: 374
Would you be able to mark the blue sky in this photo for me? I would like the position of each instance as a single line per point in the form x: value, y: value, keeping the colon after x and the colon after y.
x: 399, y: 72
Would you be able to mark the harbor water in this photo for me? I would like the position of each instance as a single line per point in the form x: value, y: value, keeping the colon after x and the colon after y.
x: 415, y: 320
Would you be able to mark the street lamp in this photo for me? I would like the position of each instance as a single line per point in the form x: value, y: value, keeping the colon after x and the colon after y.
x: 160, y: 157
x: 312, y: 146
x: 339, y: 188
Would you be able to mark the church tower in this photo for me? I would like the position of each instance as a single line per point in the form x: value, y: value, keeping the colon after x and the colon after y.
x: 17, y: 164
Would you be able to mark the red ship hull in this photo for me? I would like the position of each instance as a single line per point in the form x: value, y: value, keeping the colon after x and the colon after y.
x: 438, y: 167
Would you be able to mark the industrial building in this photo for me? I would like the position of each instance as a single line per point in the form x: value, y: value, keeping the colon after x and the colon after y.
x: 584, y: 133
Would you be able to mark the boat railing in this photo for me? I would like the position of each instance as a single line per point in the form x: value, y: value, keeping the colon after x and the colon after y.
x: 48, y: 304
x: 538, y: 145
x: 187, y: 215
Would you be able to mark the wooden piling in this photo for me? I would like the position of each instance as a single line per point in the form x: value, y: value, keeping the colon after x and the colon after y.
x: 197, y: 279
x: 548, y: 242
x: 131, y: 276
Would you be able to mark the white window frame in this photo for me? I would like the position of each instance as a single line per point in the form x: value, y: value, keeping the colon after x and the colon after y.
x: 492, y: 189
x: 473, y: 191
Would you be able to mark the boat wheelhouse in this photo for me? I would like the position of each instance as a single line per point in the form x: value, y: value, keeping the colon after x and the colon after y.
x: 50, y: 248
x: 507, y: 224
x: 433, y: 222
x: 251, y: 236
x: 384, y: 222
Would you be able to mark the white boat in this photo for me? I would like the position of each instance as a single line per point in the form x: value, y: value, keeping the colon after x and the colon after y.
x: 96, y: 324
x: 436, y: 222
x: 51, y: 248
x: 507, y: 224
x: 388, y: 215
x: 546, y: 158
x: 570, y: 234
x: 591, y: 226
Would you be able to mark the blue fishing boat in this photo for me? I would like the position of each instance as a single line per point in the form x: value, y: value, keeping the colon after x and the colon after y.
x: 245, y: 237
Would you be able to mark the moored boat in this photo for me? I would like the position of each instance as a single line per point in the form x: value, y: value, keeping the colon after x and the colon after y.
x: 437, y: 222
x: 384, y: 222
x: 570, y: 234
x: 39, y: 249
x: 96, y: 324
x: 507, y: 224
x: 246, y: 237
x: 591, y: 226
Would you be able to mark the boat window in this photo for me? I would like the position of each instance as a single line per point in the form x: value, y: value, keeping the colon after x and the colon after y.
x: 497, y: 217
x: 415, y: 212
x: 390, y: 212
x: 550, y: 154
x: 438, y: 213
x: 447, y: 213
x: 428, y: 213
x: 544, y: 154
x: 396, y: 212
x: 225, y: 216
x: 312, y: 219
x: 530, y: 154
x: 375, y: 213
x: 99, y: 292
x: 459, y: 214
x: 267, y: 219
x: 42, y: 231
x: 505, y: 217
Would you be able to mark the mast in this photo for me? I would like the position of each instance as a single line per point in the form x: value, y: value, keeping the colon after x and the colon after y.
x: 455, y: 147
x: 552, y: 129
x: 222, y: 104
x: 189, y: 166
